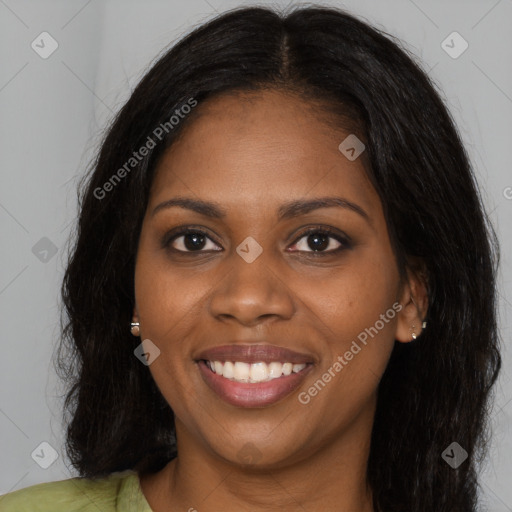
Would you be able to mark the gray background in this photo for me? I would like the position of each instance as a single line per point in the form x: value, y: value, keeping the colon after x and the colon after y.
x: 52, y: 112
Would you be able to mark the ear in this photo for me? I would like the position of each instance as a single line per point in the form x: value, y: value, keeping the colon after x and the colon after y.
x: 135, y: 315
x: 414, y: 301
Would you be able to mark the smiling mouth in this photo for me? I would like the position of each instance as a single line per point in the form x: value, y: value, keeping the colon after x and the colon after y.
x: 239, y: 371
x: 252, y: 385
x: 253, y: 375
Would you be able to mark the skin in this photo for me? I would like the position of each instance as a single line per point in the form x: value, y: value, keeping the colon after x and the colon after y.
x: 250, y: 153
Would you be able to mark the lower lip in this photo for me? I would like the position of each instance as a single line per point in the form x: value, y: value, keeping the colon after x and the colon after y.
x: 258, y: 394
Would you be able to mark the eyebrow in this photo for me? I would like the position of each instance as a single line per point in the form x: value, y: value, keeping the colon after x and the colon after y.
x: 285, y: 211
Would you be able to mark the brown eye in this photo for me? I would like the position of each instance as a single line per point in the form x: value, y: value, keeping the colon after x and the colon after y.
x: 190, y: 241
x: 320, y: 241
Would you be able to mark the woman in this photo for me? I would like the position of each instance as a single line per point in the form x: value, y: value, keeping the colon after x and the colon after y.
x: 282, y: 291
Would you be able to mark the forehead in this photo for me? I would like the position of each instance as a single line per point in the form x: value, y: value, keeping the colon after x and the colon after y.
x: 245, y: 148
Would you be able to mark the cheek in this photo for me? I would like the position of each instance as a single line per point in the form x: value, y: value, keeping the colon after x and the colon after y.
x: 357, y: 307
x: 165, y: 303
x: 166, y: 298
x: 355, y: 297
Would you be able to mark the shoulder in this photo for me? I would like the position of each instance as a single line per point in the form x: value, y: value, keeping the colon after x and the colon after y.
x: 73, y: 494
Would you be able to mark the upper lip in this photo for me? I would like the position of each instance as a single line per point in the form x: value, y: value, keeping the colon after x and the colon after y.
x: 254, y: 354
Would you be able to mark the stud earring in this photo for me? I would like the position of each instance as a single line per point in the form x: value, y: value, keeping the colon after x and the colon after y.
x: 135, y: 328
x: 423, y: 326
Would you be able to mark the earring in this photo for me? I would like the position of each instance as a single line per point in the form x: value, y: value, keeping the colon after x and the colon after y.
x: 423, y: 326
x: 135, y: 328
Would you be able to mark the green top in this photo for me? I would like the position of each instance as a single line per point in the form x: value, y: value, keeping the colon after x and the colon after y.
x: 118, y: 492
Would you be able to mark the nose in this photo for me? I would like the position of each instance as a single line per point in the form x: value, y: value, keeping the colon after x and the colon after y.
x: 252, y: 293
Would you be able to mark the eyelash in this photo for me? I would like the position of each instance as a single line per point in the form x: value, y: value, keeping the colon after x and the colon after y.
x: 343, y: 240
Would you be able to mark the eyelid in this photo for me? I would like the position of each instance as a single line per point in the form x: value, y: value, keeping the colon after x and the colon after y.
x: 180, y: 231
x: 332, y: 232
x: 342, y: 238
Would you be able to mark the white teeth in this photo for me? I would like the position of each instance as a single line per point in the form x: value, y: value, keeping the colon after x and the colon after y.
x: 241, y: 371
x: 259, y: 372
x: 218, y: 367
x: 287, y: 368
x: 228, y: 371
x: 275, y: 370
x: 255, y: 372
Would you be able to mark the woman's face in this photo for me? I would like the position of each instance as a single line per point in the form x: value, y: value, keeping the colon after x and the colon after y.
x: 257, y: 277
